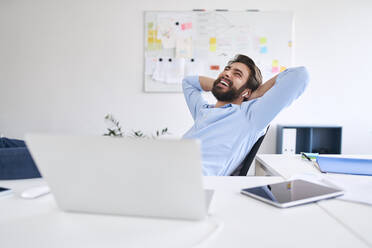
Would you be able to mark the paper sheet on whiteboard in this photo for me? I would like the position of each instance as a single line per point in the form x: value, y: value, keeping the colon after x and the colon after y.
x: 169, y: 70
x: 194, y: 67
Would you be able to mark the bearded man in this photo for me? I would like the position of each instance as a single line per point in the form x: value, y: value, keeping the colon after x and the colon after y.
x: 244, y: 109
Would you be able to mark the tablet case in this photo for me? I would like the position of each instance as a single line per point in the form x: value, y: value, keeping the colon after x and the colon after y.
x: 355, y: 166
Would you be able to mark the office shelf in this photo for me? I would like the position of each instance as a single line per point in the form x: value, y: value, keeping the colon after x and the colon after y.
x: 317, y: 139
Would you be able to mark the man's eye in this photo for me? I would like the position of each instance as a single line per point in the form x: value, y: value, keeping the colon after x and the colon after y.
x: 237, y: 74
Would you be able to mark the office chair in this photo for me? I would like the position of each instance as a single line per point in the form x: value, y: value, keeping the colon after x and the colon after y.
x: 243, y: 168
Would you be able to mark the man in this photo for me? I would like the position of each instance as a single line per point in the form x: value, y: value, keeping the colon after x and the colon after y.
x: 243, y: 110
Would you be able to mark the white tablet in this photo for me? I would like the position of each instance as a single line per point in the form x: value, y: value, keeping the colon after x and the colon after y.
x: 292, y: 193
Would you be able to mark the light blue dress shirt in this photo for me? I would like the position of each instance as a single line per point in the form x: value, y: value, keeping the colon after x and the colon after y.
x: 228, y: 133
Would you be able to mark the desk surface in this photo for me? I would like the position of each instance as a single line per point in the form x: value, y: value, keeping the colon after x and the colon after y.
x: 288, y: 165
x: 354, y: 216
x: 245, y: 221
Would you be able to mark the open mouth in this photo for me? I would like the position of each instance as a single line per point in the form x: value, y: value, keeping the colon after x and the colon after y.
x: 225, y: 83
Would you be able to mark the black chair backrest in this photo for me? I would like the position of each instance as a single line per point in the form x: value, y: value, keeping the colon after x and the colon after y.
x: 243, y: 168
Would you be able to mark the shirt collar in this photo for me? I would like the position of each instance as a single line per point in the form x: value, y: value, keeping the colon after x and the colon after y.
x: 224, y: 106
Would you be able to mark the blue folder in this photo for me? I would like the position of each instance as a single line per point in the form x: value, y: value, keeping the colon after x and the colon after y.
x: 353, y: 166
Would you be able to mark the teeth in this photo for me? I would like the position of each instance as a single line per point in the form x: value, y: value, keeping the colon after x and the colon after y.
x: 224, y: 83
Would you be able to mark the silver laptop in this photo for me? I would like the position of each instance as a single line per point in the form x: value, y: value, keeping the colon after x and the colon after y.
x: 124, y: 176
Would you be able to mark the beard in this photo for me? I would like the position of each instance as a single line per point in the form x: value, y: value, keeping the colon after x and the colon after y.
x: 231, y: 94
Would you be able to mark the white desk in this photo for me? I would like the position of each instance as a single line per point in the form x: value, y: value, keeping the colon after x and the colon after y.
x: 354, y: 216
x: 247, y: 223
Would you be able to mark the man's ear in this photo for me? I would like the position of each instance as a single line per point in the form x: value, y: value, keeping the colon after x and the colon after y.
x: 246, y: 94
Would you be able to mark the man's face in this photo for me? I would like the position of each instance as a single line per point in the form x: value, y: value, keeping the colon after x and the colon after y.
x: 230, y: 83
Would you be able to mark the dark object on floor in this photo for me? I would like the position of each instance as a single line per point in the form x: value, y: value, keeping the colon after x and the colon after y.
x: 16, y: 161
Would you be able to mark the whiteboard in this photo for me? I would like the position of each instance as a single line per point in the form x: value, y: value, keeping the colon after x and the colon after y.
x: 182, y: 43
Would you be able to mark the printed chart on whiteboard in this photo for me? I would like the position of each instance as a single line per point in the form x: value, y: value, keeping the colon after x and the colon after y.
x: 179, y: 44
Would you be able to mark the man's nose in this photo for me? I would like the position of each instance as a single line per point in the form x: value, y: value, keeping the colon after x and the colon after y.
x: 227, y: 74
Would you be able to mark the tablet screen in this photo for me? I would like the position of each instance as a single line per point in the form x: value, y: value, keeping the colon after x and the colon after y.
x: 290, y: 191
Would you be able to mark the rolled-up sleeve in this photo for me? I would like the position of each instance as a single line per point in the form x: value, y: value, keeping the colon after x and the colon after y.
x: 193, y: 94
x: 289, y: 85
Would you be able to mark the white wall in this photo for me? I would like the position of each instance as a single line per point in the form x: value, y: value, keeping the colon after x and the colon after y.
x: 65, y: 64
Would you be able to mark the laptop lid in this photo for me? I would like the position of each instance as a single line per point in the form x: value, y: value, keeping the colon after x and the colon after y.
x: 125, y: 176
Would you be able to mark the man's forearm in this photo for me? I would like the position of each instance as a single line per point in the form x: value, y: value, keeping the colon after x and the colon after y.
x: 263, y: 88
x: 206, y: 83
x: 287, y: 87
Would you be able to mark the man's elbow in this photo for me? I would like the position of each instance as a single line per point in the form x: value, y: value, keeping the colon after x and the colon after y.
x: 191, y: 83
x: 186, y: 83
x: 296, y: 79
x: 301, y: 76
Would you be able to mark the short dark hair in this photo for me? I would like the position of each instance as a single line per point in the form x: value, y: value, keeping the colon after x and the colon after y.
x: 255, y: 76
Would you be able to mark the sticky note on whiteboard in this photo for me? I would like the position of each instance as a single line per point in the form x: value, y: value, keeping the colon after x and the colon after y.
x: 186, y: 26
x: 212, y: 48
x: 263, y: 40
x: 151, y: 32
x: 212, y: 44
x: 275, y: 69
x: 263, y: 49
x: 275, y: 66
